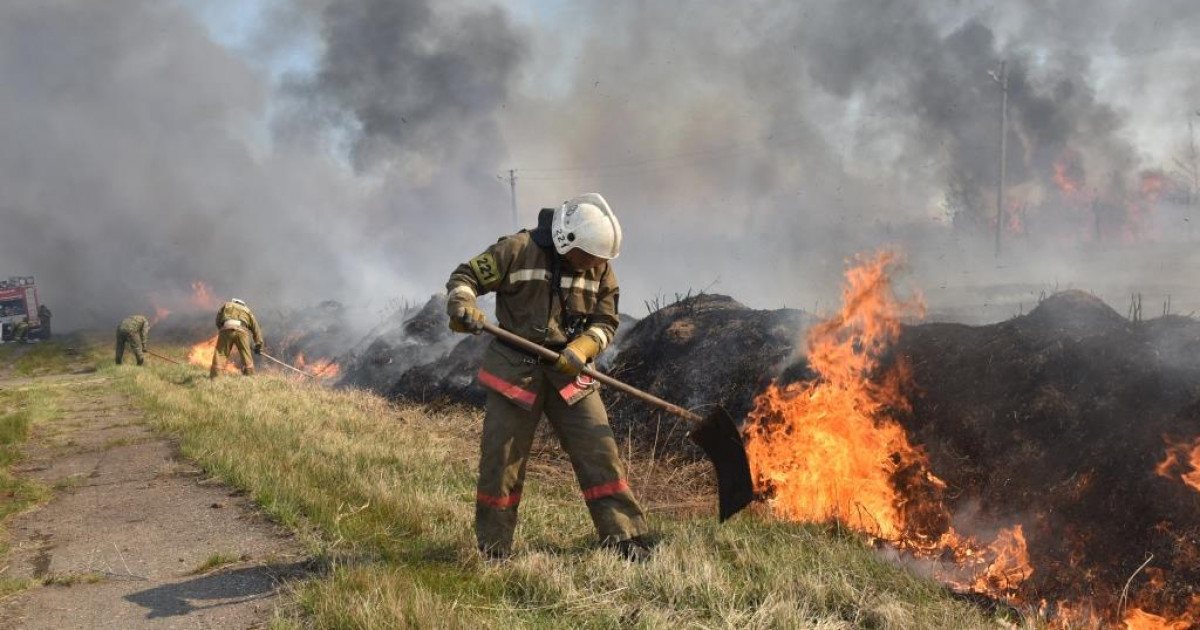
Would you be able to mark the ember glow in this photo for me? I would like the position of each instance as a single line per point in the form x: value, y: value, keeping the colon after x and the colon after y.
x: 1182, y: 462
x: 1137, y: 619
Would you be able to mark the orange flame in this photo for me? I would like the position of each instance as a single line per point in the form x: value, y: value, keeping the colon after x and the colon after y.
x: 1153, y: 184
x: 202, y: 296
x: 321, y: 368
x: 1011, y: 564
x: 160, y: 314
x: 826, y: 449
x: 202, y: 354
x: 1068, y: 175
x: 1138, y: 619
x: 1177, y: 453
x: 829, y: 449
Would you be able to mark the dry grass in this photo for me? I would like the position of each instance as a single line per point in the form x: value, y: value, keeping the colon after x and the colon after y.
x: 385, y: 496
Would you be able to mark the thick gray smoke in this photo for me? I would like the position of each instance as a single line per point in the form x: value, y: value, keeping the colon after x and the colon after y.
x: 748, y: 150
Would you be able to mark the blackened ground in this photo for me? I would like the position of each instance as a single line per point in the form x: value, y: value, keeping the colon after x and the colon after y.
x: 1056, y: 420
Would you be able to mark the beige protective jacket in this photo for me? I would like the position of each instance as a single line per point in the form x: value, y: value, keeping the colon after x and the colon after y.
x: 234, y: 312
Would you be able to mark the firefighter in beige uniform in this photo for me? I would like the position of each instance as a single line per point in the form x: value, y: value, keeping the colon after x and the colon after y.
x: 236, y: 324
x: 554, y: 286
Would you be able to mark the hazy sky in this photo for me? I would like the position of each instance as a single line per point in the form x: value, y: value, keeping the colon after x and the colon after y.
x: 288, y: 151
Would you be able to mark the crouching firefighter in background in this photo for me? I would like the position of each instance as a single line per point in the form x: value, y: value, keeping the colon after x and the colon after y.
x: 237, y: 325
x: 134, y: 331
x: 554, y: 286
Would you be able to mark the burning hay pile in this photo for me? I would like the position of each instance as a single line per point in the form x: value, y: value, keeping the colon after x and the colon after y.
x: 1050, y: 460
x: 1079, y: 427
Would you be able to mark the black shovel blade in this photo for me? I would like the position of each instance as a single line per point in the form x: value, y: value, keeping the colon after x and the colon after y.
x: 722, y: 442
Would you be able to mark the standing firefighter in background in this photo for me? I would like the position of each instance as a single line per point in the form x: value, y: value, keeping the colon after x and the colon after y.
x: 44, y: 316
x: 236, y: 323
x: 134, y: 331
x: 556, y: 287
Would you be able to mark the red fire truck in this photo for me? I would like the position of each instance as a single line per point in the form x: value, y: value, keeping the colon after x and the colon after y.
x: 18, y: 300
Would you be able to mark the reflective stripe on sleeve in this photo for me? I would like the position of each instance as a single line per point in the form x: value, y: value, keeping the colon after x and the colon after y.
x: 600, y: 335
x: 606, y: 490
x: 525, y: 275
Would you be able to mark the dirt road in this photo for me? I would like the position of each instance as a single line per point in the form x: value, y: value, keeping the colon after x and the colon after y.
x: 134, y: 536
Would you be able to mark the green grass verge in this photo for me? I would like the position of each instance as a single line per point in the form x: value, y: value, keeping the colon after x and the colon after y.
x: 19, y: 410
x: 47, y: 357
x: 385, y: 495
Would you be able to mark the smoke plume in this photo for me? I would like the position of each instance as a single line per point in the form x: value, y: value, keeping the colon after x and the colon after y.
x: 748, y: 150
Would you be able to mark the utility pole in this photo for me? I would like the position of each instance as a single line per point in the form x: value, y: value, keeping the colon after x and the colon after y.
x: 512, y: 185
x: 1002, y: 79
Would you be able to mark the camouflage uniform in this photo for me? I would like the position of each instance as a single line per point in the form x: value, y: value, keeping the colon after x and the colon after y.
x: 134, y: 331
x: 44, y: 316
x: 532, y: 284
x: 236, y: 324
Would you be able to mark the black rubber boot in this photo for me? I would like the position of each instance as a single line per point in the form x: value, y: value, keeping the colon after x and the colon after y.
x: 635, y: 549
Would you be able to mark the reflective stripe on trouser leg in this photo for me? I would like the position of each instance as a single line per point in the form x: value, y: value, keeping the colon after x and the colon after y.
x: 503, y: 452
x: 583, y: 430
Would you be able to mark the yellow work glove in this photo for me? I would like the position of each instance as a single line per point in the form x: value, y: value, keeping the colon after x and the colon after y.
x: 468, y: 319
x: 577, y: 354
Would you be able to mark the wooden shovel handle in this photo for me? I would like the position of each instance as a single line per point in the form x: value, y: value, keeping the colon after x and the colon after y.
x: 550, y: 355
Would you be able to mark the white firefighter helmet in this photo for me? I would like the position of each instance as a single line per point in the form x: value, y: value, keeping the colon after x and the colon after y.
x: 586, y: 222
x: 237, y: 301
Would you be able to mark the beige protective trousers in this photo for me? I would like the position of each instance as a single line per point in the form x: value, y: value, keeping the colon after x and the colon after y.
x: 227, y: 340
x: 585, y: 435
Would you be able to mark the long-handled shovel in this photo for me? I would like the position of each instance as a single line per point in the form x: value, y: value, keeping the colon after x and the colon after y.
x: 716, y: 434
x: 290, y: 367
